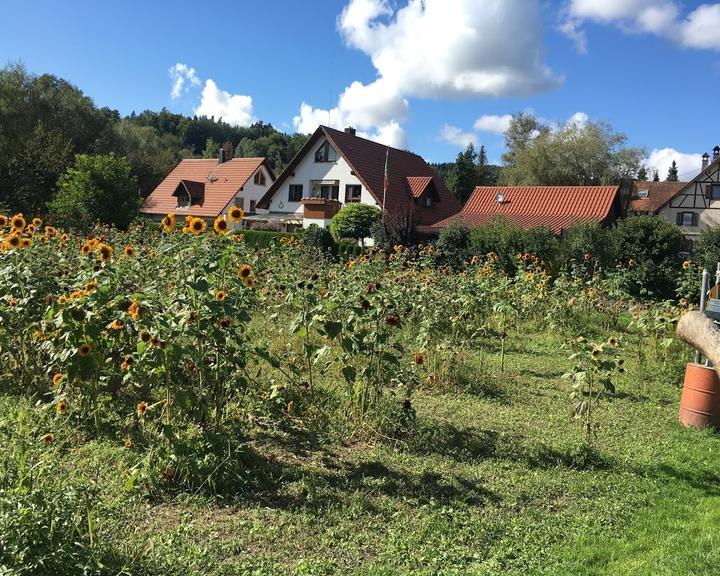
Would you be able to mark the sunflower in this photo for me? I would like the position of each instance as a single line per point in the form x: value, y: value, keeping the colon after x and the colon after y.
x: 17, y: 223
x: 683, y: 302
x: 145, y: 336
x: 61, y: 407
x: 48, y: 438
x: 220, y: 296
x: 30, y: 229
x: 613, y: 341
x: 474, y: 260
x: 419, y: 358
x: 86, y: 248
x: 686, y: 265
x: 168, y: 223
x: 37, y: 222
x: 64, y: 238
x: 117, y: 325
x: 105, y: 252
x: 631, y: 263
x: 154, y: 341
x: 245, y: 271
x: 197, y: 226
x: 13, y: 241
x: 50, y: 232
x: 134, y: 310
x: 236, y: 214
x: 25, y: 242
x: 596, y: 352
x: 129, y: 251
x: 57, y: 378
x: 128, y: 443
x: 3, y: 220
x: 127, y: 362
x: 91, y: 285
x: 221, y: 225
x: 250, y: 282
x: 85, y: 349
x: 224, y: 322
x: 142, y: 408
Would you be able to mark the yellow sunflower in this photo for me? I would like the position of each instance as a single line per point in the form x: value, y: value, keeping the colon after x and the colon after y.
x: 686, y: 265
x: 117, y: 325
x: 61, y: 407
x: 48, y: 438
x: 236, y: 214
x: 129, y: 251
x: 105, y: 252
x: 64, y: 238
x: 37, y: 222
x: 17, y: 223
x: 57, y: 378
x: 245, y: 271
x: 127, y: 362
x: 86, y: 248
x: 85, y: 349
x: 134, y: 310
x: 3, y: 221
x: 168, y: 223
x: 25, y: 242
x: 12, y: 241
x: 142, y: 408
x: 30, y: 229
x: 197, y: 226
x: 220, y: 296
x: 50, y: 232
x: 221, y: 225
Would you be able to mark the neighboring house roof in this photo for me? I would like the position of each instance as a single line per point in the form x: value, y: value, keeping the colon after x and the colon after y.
x: 217, y: 184
x: 367, y: 160
x: 658, y: 194
x: 686, y: 185
x: 557, y: 207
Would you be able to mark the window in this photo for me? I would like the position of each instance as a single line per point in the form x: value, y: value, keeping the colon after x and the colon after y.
x: 353, y: 193
x: 252, y: 206
x: 686, y: 219
x: 326, y: 153
x: 183, y: 200
x: 259, y: 178
x: 295, y: 193
x: 429, y: 202
x: 643, y: 193
x: 330, y: 191
x: 240, y: 202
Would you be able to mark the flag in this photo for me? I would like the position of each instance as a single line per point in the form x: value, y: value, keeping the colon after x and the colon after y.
x: 385, y: 180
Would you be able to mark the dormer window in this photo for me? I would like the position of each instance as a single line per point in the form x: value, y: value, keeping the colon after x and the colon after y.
x: 643, y: 193
x: 259, y: 178
x: 189, y: 193
x: 326, y: 153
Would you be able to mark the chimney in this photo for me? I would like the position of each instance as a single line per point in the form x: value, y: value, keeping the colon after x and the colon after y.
x: 350, y: 130
x: 716, y: 153
x: 221, y: 155
x: 705, y: 160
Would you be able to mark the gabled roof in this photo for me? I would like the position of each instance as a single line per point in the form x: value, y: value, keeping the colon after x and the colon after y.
x: 219, y: 182
x: 658, y: 194
x: 557, y: 207
x: 714, y: 165
x: 191, y: 188
x: 367, y: 160
x: 418, y: 184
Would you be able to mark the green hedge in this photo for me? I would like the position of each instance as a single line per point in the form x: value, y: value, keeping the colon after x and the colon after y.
x: 265, y: 238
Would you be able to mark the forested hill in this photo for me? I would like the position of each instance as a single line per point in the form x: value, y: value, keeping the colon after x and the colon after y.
x: 45, y: 121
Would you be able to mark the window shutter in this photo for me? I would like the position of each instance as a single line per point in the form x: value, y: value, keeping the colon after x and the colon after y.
x: 695, y: 219
x: 678, y: 218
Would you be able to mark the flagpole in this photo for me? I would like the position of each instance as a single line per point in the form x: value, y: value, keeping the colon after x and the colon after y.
x: 385, y: 183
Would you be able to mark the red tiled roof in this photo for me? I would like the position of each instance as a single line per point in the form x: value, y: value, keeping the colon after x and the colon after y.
x: 659, y: 193
x: 557, y: 207
x: 367, y: 160
x: 220, y: 183
x: 418, y: 184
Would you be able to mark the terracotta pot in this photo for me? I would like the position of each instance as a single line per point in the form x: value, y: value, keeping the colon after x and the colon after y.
x: 700, y: 400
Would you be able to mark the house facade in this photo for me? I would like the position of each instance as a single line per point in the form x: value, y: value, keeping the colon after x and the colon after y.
x: 207, y: 188
x: 697, y: 204
x: 554, y: 207
x: 648, y: 198
x: 335, y: 168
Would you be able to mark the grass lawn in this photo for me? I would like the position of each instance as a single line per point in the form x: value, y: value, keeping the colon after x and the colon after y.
x: 494, y: 480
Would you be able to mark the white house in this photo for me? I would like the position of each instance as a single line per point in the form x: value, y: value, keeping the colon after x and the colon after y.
x: 334, y: 168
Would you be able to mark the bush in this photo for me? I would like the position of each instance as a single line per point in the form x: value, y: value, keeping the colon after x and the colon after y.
x: 650, y: 248
x: 454, y: 245
x: 706, y: 250
x: 96, y: 189
x: 506, y: 241
x: 356, y: 221
x: 317, y: 237
x: 591, y: 238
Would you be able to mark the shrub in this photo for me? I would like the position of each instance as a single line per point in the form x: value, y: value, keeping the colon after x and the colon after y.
x: 706, y: 249
x: 317, y: 237
x: 355, y: 221
x: 96, y: 189
x: 650, y: 248
x: 454, y: 245
x: 265, y: 238
x: 591, y: 238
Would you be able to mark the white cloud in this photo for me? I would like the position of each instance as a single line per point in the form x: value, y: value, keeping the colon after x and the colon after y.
x: 688, y: 164
x: 698, y: 29
x: 183, y: 77
x: 456, y: 137
x: 234, y: 109
x: 435, y: 49
x: 493, y: 123
x: 579, y: 119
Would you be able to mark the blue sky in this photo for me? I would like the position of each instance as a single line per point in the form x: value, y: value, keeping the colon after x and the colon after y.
x: 424, y: 73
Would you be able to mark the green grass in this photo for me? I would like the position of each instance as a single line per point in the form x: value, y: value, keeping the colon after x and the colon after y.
x: 495, y: 479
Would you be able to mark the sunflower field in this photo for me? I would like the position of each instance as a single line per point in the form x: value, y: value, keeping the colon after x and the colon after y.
x: 184, y: 347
